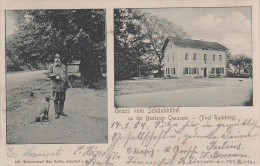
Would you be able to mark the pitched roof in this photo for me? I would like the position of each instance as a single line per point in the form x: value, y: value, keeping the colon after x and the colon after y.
x: 199, y: 44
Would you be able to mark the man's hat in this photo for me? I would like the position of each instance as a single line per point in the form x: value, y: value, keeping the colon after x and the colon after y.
x: 57, y: 56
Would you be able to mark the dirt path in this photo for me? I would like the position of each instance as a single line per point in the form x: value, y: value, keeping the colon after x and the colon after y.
x: 184, y: 93
x: 87, y: 110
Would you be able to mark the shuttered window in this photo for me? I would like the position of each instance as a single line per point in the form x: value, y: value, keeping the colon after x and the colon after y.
x: 222, y: 70
x: 213, y: 70
x: 190, y: 70
x: 220, y: 57
x: 195, y: 70
x: 205, y: 57
x: 167, y: 70
x: 173, y: 71
x: 186, y: 56
x: 194, y: 56
x: 185, y: 70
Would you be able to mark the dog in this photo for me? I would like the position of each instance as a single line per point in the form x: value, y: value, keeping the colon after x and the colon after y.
x: 43, y: 110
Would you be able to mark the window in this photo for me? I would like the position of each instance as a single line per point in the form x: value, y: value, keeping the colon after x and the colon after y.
x: 220, y: 70
x: 173, y: 71
x: 214, y: 57
x: 195, y: 70
x: 194, y: 56
x: 173, y: 57
x: 212, y: 70
x: 217, y: 71
x: 185, y: 70
x: 168, y: 59
x: 190, y: 71
x: 186, y: 56
x: 167, y: 70
x: 220, y: 57
x: 205, y: 57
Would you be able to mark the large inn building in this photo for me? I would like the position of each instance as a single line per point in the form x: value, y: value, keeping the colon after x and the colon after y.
x: 194, y: 58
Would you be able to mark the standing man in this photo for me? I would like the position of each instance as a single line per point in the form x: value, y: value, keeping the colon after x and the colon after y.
x: 57, y: 73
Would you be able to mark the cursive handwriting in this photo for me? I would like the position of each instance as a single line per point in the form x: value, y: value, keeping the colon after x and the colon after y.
x: 33, y: 153
x: 11, y: 153
x: 184, y: 142
x: 158, y: 143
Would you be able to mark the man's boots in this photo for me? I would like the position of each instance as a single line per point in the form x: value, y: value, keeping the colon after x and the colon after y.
x: 61, y: 108
x: 56, y: 116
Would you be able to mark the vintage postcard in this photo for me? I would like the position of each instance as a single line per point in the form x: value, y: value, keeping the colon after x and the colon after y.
x: 123, y: 83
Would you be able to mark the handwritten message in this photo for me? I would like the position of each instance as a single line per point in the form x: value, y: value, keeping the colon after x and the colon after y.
x: 170, y: 139
x: 161, y: 137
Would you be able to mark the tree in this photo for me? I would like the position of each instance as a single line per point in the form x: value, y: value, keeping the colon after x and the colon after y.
x: 139, y: 38
x: 12, y: 61
x: 240, y: 61
x: 90, y: 42
x: 75, y: 34
x: 128, y: 43
x: 157, y: 30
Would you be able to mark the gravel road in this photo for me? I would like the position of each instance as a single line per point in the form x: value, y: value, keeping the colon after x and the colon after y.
x: 87, y: 110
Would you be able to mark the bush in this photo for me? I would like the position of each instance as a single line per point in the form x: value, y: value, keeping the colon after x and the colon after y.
x: 239, y: 75
x: 13, y: 64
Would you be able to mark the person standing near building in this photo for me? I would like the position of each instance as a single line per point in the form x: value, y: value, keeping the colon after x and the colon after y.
x: 57, y: 73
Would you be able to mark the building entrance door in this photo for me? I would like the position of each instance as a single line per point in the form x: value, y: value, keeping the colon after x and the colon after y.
x: 205, y: 72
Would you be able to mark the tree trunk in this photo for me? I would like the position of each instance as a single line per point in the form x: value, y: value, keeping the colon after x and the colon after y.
x: 160, y: 66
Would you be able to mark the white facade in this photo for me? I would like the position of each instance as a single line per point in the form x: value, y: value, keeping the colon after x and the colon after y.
x: 181, y: 62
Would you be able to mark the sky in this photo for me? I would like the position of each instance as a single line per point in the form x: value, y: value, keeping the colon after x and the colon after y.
x: 230, y: 26
x: 10, y: 24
